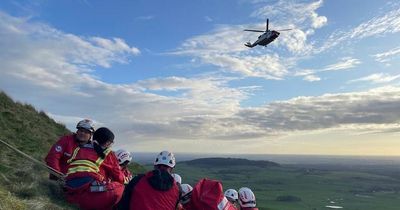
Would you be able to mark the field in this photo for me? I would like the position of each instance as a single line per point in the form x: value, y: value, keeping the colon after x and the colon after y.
x: 305, y: 187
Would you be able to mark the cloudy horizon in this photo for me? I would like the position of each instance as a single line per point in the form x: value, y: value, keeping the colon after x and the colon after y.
x: 329, y: 86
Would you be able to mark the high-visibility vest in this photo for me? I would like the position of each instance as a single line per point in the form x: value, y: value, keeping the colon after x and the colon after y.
x: 89, y: 163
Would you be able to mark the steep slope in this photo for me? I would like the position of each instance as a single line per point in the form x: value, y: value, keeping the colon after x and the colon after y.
x: 24, y: 185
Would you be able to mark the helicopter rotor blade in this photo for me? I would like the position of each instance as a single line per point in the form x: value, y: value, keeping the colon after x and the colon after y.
x: 253, y: 30
x: 267, y: 24
x: 288, y: 29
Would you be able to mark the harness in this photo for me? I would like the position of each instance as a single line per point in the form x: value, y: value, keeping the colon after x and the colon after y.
x: 91, y: 166
x: 84, y: 165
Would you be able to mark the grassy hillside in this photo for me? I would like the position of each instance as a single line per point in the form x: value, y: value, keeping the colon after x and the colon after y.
x: 24, y: 185
x: 292, y: 188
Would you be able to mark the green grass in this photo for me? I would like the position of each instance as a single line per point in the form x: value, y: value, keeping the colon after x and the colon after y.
x: 315, y: 188
x: 24, y: 185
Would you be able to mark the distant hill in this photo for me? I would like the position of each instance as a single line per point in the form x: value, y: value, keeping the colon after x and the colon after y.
x: 218, y: 162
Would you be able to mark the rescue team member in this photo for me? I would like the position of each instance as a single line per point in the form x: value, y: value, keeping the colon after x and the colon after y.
x: 156, y: 189
x: 94, y: 179
x: 62, y: 150
x: 247, y: 199
x: 232, y: 196
x: 124, y: 158
x: 184, y: 202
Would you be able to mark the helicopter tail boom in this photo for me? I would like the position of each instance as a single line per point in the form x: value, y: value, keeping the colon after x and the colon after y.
x: 248, y: 44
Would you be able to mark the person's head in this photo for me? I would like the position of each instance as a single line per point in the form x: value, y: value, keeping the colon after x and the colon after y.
x: 104, y: 137
x: 246, y: 197
x: 124, y: 157
x: 165, y: 161
x: 186, y: 193
x: 231, y: 195
x: 177, y: 178
x: 85, y: 129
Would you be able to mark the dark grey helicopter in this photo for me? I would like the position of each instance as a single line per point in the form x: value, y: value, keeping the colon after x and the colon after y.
x: 267, y: 37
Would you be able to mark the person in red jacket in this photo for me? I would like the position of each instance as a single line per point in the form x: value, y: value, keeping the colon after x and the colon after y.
x: 94, y: 178
x: 156, y: 189
x: 247, y: 199
x: 62, y: 150
x: 232, y: 196
x: 124, y: 158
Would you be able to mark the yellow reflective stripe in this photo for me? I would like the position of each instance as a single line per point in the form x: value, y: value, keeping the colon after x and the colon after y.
x: 85, y: 165
x: 80, y: 169
x: 99, y: 161
x: 85, y: 162
x: 73, y: 155
x: 126, y: 180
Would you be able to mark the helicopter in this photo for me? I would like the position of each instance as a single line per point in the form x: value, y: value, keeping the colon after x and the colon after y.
x: 267, y: 37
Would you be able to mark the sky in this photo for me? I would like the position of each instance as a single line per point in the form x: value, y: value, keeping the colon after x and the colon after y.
x: 175, y: 75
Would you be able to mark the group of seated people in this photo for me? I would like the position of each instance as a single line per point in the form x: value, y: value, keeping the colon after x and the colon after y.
x: 96, y: 178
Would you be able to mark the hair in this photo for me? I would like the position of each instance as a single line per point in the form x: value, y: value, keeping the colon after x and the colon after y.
x: 100, y: 137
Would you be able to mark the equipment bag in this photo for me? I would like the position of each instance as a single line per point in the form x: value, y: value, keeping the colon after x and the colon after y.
x: 208, y: 195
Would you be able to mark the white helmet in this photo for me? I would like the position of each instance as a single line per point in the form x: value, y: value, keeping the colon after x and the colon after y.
x: 165, y: 158
x: 231, y: 194
x: 86, y: 124
x: 186, y: 193
x: 123, y: 156
x: 246, y: 197
x: 178, y: 179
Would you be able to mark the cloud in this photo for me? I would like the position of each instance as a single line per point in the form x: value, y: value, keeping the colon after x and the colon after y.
x: 375, y: 108
x: 311, y: 78
x: 291, y: 10
x: 264, y: 66
x: 208, y: 19
x: 54, y: 70
x: 388, y: 55
x: 388, y: 23
x: 148, y: 17
x: 377, y: 78
x: 223, y: 47
x: 47, y: 57
x: 345, y: 63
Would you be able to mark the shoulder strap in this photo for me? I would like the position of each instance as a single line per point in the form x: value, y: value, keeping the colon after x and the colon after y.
x: 180, y: 194
x: 126, y: 196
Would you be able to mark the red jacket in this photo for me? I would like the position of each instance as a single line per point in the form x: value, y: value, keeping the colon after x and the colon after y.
x: 155, y: 190
x: 60, y: 152
x: 86, y: 162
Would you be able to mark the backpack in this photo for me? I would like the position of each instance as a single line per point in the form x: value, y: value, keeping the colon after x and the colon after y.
x: 208, y: 195
x: 123, y: 204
